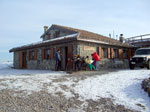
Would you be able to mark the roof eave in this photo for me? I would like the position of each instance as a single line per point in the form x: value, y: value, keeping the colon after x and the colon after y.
x: 43, y: 44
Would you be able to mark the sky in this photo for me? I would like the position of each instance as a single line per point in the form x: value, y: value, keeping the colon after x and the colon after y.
x: 22, y: 21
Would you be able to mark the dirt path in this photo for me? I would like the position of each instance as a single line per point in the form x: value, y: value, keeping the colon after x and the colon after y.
x: 45, y: 102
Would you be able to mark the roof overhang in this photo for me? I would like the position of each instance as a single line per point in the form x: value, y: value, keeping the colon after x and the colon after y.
x: 63, y: 39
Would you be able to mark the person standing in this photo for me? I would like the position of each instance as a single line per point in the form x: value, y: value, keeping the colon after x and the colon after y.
x: 77, y: 62
x: 96, y: 59
x: 58, y: 60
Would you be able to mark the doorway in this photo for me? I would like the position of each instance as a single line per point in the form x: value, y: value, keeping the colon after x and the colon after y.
x: 24, y: 59
x: 66, y: 56
x: 66, y: 52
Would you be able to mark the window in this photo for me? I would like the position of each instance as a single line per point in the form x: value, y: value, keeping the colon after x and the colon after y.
x: 48, y: 36
x: 31, y: 55
x: 125, y: 54
x: 116, y: 53
x: 105, y: 52
x: 46, y: 53
x: 97, y: 50
x: 56, y: 34
x: 143, y: 52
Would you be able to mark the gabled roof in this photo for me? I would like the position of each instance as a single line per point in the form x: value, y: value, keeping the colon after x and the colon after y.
x: 83, y: 34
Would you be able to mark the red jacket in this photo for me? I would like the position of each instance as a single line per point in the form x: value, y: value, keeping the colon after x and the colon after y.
x: 95, y: 56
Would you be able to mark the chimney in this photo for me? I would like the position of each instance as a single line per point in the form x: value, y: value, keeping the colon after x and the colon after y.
x: 45, y: 28
x: 121, y: 38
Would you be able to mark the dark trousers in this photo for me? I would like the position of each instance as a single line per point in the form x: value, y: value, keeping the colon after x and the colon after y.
x: 77, y: 65
x: 58, y: 65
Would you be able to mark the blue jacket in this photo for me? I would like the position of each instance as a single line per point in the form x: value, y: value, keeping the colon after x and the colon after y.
x: 57, y: 56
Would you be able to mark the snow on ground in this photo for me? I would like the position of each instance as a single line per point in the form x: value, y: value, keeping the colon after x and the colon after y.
x: 26, y: 80
x: 123, y: 87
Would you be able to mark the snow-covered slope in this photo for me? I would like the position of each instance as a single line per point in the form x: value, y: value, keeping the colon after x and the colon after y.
x: 123, y: 87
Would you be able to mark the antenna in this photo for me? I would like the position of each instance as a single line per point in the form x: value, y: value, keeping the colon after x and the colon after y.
x: 113, y: 34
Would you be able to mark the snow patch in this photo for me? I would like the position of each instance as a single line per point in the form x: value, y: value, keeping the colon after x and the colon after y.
x: 123, y: 86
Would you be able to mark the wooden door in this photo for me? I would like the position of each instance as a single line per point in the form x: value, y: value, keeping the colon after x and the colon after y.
x: 70, y: 54
x: 24, y: 60
x: 20, y: 59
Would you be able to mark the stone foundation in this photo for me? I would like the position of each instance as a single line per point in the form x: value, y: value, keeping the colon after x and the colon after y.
x: 114, y: 63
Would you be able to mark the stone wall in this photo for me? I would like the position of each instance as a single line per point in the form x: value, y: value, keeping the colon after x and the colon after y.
x: 54, y: 29
x: 84, y: 50
x: 40, y: 63
x: 114, y: 63
x: 16, y: 60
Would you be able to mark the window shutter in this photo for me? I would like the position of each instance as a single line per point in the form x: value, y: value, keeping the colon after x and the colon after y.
x: 102, y: 55
x: 42, y: 53
x: 69, y: 55
x: 112, y: 53
x: 51, y: 53
x: 108, y: 52
x: 20, y: 59
x: 100, y: 51
x: 120, y: 53
x: 35, y: 54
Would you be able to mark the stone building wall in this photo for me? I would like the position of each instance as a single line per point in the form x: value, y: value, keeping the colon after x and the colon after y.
x: 54, y: 30
x: 16, y: 60
x: 105, y: 62
x: 114, y: 63
x: 81, y: 48
x: 40, y: 63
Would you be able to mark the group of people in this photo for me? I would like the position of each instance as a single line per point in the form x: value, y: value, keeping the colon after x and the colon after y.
x: 93, y: 63
x: 79, y: 62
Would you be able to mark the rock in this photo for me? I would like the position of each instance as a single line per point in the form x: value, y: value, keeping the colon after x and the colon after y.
x: 146, y: 85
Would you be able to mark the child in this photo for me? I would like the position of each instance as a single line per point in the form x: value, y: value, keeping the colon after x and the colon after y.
x: 69, y: 63
x: 89, y: 63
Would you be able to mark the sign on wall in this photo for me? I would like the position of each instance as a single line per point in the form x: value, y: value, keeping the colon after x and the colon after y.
x: 89, y: 48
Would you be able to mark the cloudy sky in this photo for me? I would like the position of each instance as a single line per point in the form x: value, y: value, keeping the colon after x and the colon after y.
x: 22, y: 21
